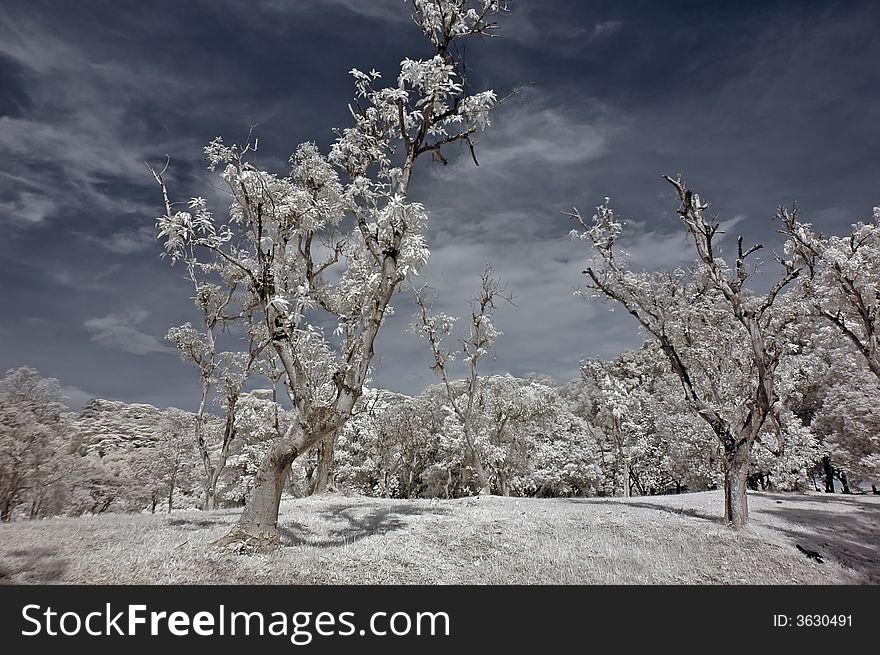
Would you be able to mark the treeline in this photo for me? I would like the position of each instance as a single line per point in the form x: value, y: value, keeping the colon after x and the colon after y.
x: 622, y: 428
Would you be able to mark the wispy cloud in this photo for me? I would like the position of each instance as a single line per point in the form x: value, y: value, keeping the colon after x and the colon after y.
x: 389, y: 10
x: 551, y: 136
x: 127, y: 242
x: 119, y: 331
x: 606, y: 28
x: 80, y: 135
x: 27, y: 209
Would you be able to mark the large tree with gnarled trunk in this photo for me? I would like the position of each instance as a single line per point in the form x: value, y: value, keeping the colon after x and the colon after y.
x: 331, y: 241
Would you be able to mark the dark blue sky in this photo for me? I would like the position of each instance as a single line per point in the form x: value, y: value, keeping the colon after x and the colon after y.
x: 756, y: 103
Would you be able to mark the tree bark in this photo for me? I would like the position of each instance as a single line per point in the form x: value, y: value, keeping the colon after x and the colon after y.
x: 323, y: 476
x: 257, y: 527
x: 171, y: 496
x: 736, y: 475
x: 211, y: 497
x: 483, y: 486
x: 627, y: 492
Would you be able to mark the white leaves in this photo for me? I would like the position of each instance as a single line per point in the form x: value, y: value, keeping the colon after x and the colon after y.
x: 445, y: 20
x: 280, y: 305
x: 304, y: 250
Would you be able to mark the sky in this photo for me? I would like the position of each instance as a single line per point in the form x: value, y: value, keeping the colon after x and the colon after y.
x: 756, y: 104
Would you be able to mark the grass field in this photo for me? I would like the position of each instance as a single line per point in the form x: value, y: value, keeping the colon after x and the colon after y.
x: 353, y: 540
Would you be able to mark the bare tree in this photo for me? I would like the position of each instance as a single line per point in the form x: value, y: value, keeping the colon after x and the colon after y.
x: 475, y: 346
x: 723, y: 341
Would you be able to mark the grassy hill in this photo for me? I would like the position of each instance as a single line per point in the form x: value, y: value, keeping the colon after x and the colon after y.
x: 339, y: 539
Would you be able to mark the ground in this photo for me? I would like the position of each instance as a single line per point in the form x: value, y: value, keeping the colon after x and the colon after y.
x: 355, y: 540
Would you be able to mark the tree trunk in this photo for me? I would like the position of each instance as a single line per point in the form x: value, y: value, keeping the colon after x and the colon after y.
x: 171, y: 496
x: 214, y: 472
x: 627, y: 492
x: 154, y: 500
x: 323, y: 476
x: 829, y: 474
x: 736, y: 475
x: 844, y: 482
x: 257, y: 528
x: 210, y: 497
x: 502, y: 482
x: 483, y: 486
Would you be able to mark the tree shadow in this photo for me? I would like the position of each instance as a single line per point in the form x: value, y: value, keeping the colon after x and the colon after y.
x: 32, y: 565
x: 351, y: 523
x: 675, y: 511
x: 195, y: 524
x: 853, y: 540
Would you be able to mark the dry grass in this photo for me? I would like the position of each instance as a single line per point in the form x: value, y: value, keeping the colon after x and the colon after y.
x: 348, y: 540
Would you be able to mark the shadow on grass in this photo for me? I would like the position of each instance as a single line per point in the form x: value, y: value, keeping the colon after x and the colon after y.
x: 192, y: 524
x: 33, y: 565
x: 853, y: 540
x: 676, y: 511
x: 351, y: 523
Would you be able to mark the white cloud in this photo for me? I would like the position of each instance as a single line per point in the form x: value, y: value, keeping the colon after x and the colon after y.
x: 606, y: 28
x: 119, y: 332
x: 550, y: 136
x: 28, y: 209
x: 78, y: 122
x: 126, y: 242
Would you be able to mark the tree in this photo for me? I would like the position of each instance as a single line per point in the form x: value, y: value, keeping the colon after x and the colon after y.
x: 160, y: 469
x: 227, y: 372
x: 849, y: 424
x: 475, y: 346
x: 842, y: 284
x: 623, y: 394
x: 653, y: 440
x: 286, y: 245
x: 33, y: 431
x: 723, y: 341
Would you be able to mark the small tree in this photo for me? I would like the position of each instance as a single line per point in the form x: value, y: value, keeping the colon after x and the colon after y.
x: 287, y: 246
x: 167, y: 464
x: 723, y: 341
x: 475, y: 346
x: 224, y: 372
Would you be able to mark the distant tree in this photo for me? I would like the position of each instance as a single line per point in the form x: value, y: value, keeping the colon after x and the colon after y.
x: 162, y: 468
x: 385, y: 447
x: 33, y: 439
x: 657, y: 443
x: 287, y: 246
x: 723, y: 341
x: 849, y: 424
x: 623, y: 397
